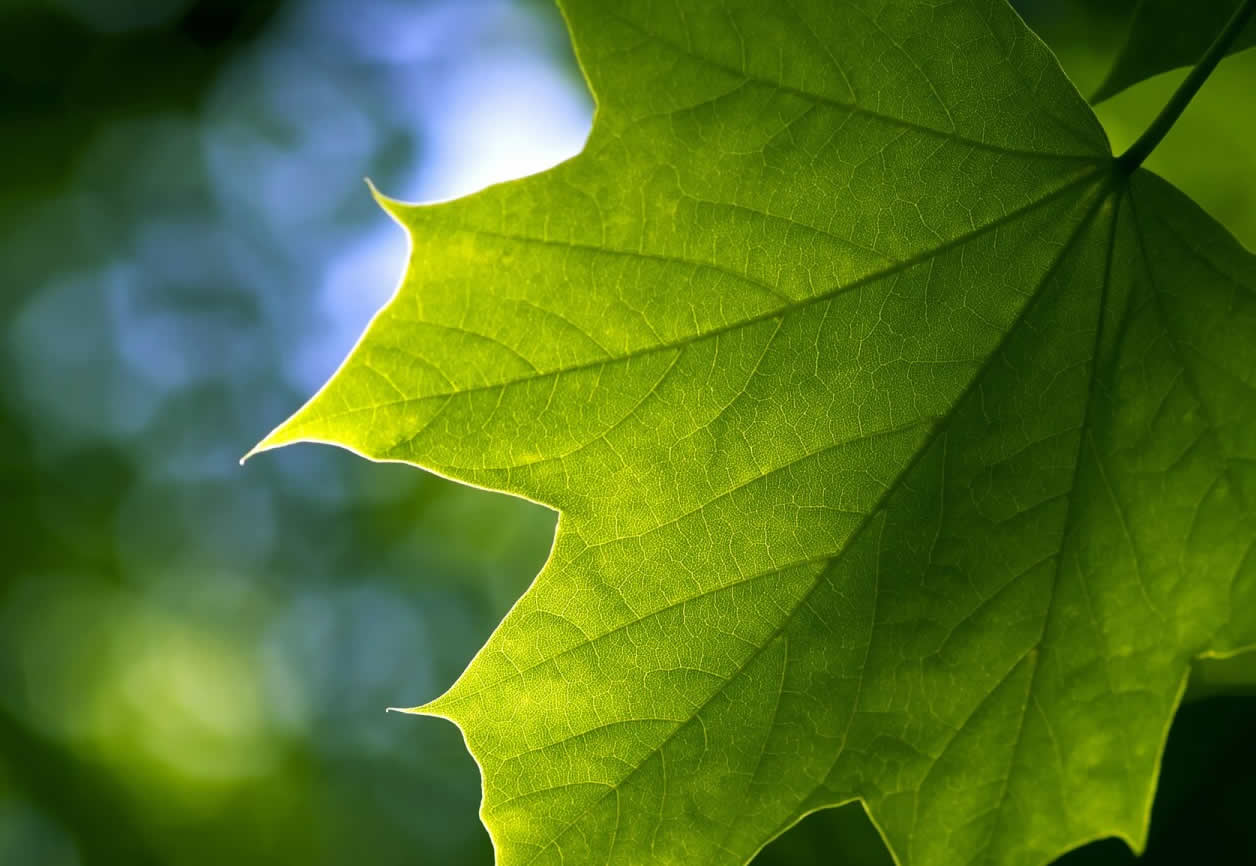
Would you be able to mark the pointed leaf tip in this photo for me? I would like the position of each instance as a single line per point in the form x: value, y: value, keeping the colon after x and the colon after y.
x: 410, y: 711
x: 391, y: 206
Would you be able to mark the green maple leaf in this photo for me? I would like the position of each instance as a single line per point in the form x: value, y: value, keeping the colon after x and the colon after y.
x: 1164, y: 34
x: 903, y: 441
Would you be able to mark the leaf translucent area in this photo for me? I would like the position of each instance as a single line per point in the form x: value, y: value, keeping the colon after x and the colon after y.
x: 1166, y: 34
x: 903, y: 450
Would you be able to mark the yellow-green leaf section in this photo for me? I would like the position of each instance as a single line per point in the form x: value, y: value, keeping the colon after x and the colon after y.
x: 904, y: 448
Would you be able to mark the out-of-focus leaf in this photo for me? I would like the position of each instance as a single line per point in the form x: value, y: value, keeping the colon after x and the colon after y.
x: 904, y: 445
x: 1165, y: 34
x: 1138, y: 38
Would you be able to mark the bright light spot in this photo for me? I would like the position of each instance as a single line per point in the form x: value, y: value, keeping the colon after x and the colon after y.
x: 176, y: 707
x: 188, y: 701
x: 501, y: 118
x: 355, y: 285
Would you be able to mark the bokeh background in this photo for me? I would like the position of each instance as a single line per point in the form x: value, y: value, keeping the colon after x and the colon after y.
x: 195, y: 657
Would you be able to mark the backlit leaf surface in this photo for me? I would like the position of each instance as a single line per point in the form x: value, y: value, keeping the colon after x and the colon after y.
x: 903, y: 448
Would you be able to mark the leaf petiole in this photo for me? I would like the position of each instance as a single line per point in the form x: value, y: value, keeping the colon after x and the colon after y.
x: 1146, y: 143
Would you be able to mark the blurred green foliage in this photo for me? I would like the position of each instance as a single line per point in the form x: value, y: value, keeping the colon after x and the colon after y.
x: 195, y: 657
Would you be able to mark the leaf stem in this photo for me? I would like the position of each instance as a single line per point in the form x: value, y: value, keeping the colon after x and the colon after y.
x: 1146, y: 143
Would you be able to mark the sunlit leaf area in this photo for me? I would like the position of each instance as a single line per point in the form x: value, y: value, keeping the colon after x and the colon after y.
x: 196, y: 656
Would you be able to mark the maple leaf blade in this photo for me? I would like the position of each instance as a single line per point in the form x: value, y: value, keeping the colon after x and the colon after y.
x: 895, y: 458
